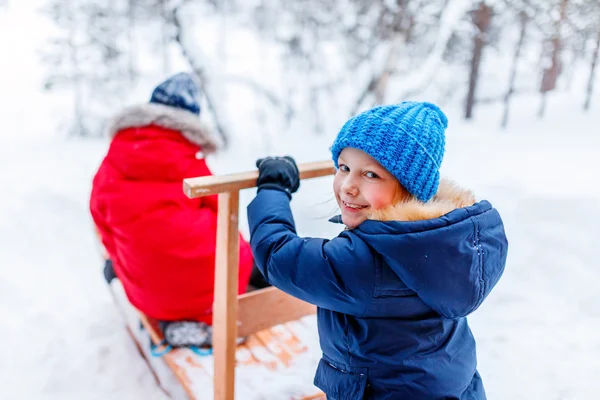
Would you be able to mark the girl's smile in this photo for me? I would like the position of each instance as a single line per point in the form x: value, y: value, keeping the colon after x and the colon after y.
x: 353, y: 207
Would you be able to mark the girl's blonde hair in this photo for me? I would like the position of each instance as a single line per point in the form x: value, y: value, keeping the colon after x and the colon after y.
x: 401, y: 194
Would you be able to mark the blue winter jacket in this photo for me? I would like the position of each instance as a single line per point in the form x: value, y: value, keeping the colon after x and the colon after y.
x: 392, y: 296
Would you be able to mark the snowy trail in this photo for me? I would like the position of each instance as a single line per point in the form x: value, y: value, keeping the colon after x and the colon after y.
x: 538, y: 334
x: 66, y: 339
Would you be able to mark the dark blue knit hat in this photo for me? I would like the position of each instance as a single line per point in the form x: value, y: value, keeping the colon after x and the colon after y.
x: 179, y: 91
x: 406, y: 138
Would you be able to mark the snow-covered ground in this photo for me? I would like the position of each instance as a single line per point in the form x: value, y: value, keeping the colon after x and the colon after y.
x: 537, y: 333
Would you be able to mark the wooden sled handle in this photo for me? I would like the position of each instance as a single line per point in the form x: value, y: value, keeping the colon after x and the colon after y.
x: 207, y: 185
x: 225, y: 309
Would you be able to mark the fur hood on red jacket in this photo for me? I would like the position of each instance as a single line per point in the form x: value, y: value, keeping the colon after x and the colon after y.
x: 182, y: 121
x: 162, y: 243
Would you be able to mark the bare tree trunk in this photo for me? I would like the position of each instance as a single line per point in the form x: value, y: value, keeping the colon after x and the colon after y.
x: 524, y: 18
x: 364, y: 94
x: 316, y: 110
x: 481, y: 18
x: 211, y: 81
x: 380, y: 87
x: 131, y: 40
x: 422, y: 75
x: 377, y: 86
x: 79, y: 125
x: 550, y: 75
x: 578, y: 50
x: 590, y: 84
x: 542, y: 108
x: 222, y: 41
x: 165, y: 37
x: 80, y: 128
x: 208, y: 88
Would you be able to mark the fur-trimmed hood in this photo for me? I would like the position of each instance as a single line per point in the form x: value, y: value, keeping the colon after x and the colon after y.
x: 167, y: 117
x: 448, y: 197
x: 451, y: 251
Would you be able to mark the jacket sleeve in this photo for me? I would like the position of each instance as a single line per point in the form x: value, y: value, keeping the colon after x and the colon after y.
x: 333, y: 274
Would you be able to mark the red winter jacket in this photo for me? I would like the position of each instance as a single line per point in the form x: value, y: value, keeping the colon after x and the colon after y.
x: 162, y: 244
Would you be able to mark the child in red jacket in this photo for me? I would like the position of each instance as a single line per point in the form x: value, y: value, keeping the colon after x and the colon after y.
x: 161, y: 243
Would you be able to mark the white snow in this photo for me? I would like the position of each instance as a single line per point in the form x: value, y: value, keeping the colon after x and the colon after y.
x: 538, y: 333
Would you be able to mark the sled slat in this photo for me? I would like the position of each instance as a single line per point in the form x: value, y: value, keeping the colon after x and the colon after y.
x: 267, y: 363
x: 288, y: 340
x: 244, y: 356
x: 275, y: 341
x: 273, y: 345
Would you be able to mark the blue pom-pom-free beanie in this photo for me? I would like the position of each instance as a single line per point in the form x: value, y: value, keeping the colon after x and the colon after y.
x: 179, y: 91
x: 407, y: 139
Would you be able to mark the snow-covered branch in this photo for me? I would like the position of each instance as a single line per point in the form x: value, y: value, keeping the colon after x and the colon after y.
x: 209, y: 77
x: 424, y: 74
x: 378, y: 82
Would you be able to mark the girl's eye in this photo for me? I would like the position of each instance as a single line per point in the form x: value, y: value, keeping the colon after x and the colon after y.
x: 344, y: 168
x: 371, y: 175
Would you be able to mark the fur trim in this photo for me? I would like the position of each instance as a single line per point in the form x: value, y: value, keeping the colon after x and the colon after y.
x: 183, y: 121
x: 449, y: 197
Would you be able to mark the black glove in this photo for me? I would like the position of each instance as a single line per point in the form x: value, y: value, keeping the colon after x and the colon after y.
x: 278, y: 173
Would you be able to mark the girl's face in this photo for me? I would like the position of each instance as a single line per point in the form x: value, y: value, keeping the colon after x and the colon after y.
x: 361, y: 185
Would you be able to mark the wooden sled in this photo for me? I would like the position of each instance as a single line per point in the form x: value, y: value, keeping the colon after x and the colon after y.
x: 277, y: 362
x: 281, y: 351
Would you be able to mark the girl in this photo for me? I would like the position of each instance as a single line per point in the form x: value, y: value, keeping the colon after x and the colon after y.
x: 394, y: 288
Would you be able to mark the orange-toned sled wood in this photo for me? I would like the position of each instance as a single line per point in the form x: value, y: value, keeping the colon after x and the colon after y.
x: 280, y: 330
x: 207, y: 185
x: 270, y: 351
x: 225, y: 316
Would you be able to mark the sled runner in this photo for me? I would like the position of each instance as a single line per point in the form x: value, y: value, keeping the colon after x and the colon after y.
x: 279, y: 355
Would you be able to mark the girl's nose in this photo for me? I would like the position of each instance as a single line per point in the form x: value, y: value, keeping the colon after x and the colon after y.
x: 349, y: 186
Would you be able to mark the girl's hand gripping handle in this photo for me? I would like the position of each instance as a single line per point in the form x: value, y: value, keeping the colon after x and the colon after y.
x: 278, y: 173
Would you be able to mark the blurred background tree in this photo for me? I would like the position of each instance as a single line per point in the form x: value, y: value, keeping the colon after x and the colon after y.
x: 333, y: 58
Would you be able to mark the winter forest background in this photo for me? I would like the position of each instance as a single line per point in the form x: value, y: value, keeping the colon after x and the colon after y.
x: 517, y: 79
x: 317, y: 61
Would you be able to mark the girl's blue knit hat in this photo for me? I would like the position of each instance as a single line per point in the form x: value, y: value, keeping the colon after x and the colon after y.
x: 178, y: 91
x: 406, y: 138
